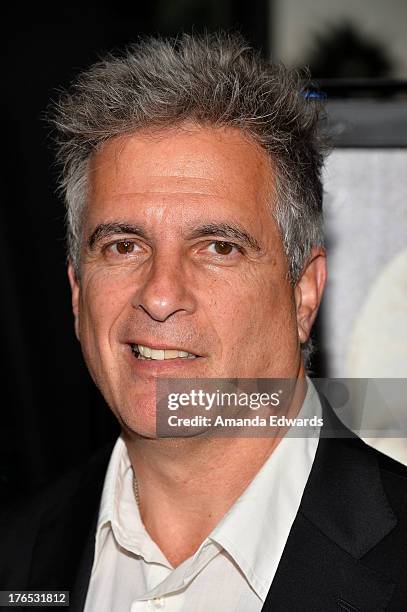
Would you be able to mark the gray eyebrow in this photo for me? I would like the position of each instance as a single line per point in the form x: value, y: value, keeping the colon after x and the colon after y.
x: 104, y: 230
x: 226, y: 230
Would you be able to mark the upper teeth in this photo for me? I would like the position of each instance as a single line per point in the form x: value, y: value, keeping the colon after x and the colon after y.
x: 149, y: 353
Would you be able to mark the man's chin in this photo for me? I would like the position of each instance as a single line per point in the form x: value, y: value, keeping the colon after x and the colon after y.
x: 137, y: 414
x: 136, y: 428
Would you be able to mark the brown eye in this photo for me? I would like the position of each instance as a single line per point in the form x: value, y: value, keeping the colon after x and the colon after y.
x: 124, y: 248
x: 223, y: 248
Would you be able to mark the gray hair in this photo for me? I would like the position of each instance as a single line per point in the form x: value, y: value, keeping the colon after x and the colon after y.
x: 213, y: 79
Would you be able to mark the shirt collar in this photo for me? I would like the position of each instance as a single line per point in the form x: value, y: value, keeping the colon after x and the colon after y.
x: 254, y: 531
x: 119, y: 511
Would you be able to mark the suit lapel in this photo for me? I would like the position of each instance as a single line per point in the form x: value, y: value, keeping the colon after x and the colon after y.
x: 343, y: 514
x: 63, y: 554
x: 81, y: 584
x: 316, y: 574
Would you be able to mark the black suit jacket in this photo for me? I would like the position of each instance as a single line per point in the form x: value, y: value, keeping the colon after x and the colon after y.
x: 347, y: 548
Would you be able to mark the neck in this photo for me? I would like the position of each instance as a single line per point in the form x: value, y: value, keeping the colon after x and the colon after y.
x: 187, y: 485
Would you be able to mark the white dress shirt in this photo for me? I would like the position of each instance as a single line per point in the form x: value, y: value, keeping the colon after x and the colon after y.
x: 233, y: 568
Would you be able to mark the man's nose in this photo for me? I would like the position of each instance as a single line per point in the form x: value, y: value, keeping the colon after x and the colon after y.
x: 166, y: 290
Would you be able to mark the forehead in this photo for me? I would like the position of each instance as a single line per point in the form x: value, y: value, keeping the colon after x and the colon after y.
x: 186, y: 165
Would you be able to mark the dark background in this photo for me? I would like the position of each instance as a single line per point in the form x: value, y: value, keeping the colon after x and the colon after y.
x: 52, y: 415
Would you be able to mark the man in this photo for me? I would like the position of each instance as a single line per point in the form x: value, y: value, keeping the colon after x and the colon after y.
x: 191, y: 171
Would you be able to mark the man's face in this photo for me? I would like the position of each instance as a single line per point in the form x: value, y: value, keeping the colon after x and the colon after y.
x: 180, y: 253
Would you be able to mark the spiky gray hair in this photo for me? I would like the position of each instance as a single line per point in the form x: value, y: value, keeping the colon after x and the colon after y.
x: 213, y: 79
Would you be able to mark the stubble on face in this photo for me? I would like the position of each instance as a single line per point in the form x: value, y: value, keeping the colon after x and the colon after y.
x: 175, y: 195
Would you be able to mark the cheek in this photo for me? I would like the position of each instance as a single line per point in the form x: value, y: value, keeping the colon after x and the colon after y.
x: 266, y: 325
x: 103, y: 299
x: 252, y: 312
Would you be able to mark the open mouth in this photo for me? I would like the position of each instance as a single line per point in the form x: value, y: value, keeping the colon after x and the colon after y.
x: 146, y: 352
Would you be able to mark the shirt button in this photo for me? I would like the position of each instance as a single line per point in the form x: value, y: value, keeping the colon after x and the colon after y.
x: 157, y: 602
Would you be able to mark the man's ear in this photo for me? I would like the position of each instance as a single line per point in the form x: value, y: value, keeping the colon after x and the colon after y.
x: 75, y: 291
x: 308, y: 292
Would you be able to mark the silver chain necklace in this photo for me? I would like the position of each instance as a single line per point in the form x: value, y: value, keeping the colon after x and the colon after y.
x: 136, y: 491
